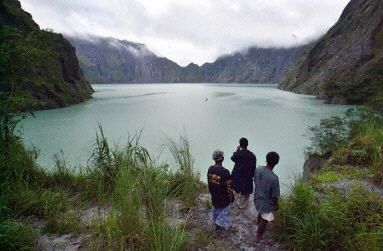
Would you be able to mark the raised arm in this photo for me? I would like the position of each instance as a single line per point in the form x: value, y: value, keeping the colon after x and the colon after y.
x: 234, y: 158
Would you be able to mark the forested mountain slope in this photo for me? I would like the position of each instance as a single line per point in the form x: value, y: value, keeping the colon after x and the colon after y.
x: 36, y: 65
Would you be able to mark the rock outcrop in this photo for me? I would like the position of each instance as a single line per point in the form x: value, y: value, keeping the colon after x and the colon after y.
x: 37, y: 65
x: 346, y: 64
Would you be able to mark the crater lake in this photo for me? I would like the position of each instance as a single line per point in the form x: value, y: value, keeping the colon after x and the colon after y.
x: 214, y: 116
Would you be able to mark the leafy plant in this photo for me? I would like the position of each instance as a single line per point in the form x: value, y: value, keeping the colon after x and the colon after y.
x: 331, y: 222
x: 15, y: 235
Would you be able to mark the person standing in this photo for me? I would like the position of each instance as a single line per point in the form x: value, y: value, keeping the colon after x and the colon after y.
x: 243, y: 172
x: 219, y: 183
x: 266, y: 194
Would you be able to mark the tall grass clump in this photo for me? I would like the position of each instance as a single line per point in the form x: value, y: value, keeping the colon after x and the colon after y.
x: 140, y: 203
x: 186, y: 181
x: 124, y: 227
x: 103, y: 168
x: 333, y: 222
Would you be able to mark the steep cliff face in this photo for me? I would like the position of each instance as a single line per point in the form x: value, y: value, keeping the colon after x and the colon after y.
x: 108, y: 60
x: 257, y: 65
x: 346, y: 65
x: 39, y: 66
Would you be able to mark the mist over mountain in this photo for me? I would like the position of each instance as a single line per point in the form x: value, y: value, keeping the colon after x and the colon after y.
x: 109, y: 60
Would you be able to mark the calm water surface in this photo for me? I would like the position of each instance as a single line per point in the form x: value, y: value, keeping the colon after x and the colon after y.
x: 214, y: 116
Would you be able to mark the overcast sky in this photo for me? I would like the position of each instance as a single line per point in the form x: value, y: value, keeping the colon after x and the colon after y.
x: 192, y: 30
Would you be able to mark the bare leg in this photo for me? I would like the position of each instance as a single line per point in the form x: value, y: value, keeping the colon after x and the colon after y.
x: 238, y: 198
x: 244, y: 201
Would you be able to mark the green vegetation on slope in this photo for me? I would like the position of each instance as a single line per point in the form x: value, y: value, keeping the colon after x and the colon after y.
x: 36, y: 65
x: 334, y: 209
x: 366, y: 89
x: 310, y: 219
x: 355, y: 139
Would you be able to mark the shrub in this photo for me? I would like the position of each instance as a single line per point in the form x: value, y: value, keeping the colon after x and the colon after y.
x: 335, y: 222
x: 15, y: 235
x: 328, y: 135
x: 39, y: 202
x: 63, y: 223
x: 356, y: 138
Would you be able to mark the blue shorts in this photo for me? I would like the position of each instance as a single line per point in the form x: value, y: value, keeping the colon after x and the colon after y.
x: 221, y: 217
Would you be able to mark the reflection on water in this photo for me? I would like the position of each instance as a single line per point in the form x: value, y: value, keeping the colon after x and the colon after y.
x: 214, y: 116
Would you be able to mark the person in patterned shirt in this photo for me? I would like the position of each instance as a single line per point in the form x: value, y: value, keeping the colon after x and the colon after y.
x: 219, y: 183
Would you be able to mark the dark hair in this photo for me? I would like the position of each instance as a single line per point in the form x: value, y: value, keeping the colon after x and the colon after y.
x: 243, y: 142
x: 272, y: 159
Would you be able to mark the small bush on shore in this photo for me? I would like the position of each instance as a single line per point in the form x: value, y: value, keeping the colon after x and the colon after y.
x: 353, y: 139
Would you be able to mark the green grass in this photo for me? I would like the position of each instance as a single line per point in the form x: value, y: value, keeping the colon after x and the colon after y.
x: 63, y: 223
x: 333, y: 222
x: 203, y: 238
x: 315, y: 218
x: 15, y: 235
x: 355, y: 139
x: 140, y: 204
x: 330, y: 176
x: 331, y: 173
x: 185, y: 182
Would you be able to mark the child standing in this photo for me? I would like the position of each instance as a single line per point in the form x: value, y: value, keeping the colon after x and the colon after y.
x: 266, y: 194
x: 219, y: 182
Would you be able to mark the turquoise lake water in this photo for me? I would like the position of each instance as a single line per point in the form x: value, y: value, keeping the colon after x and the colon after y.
x: 214, y: 116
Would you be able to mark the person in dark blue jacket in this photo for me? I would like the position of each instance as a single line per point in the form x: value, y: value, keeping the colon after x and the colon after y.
x: 243, y: 172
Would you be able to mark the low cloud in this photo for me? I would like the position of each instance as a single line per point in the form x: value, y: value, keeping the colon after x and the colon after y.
x: 192, y: 30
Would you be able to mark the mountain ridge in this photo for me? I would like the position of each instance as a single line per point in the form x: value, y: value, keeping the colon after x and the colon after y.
x: 103, y: 63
